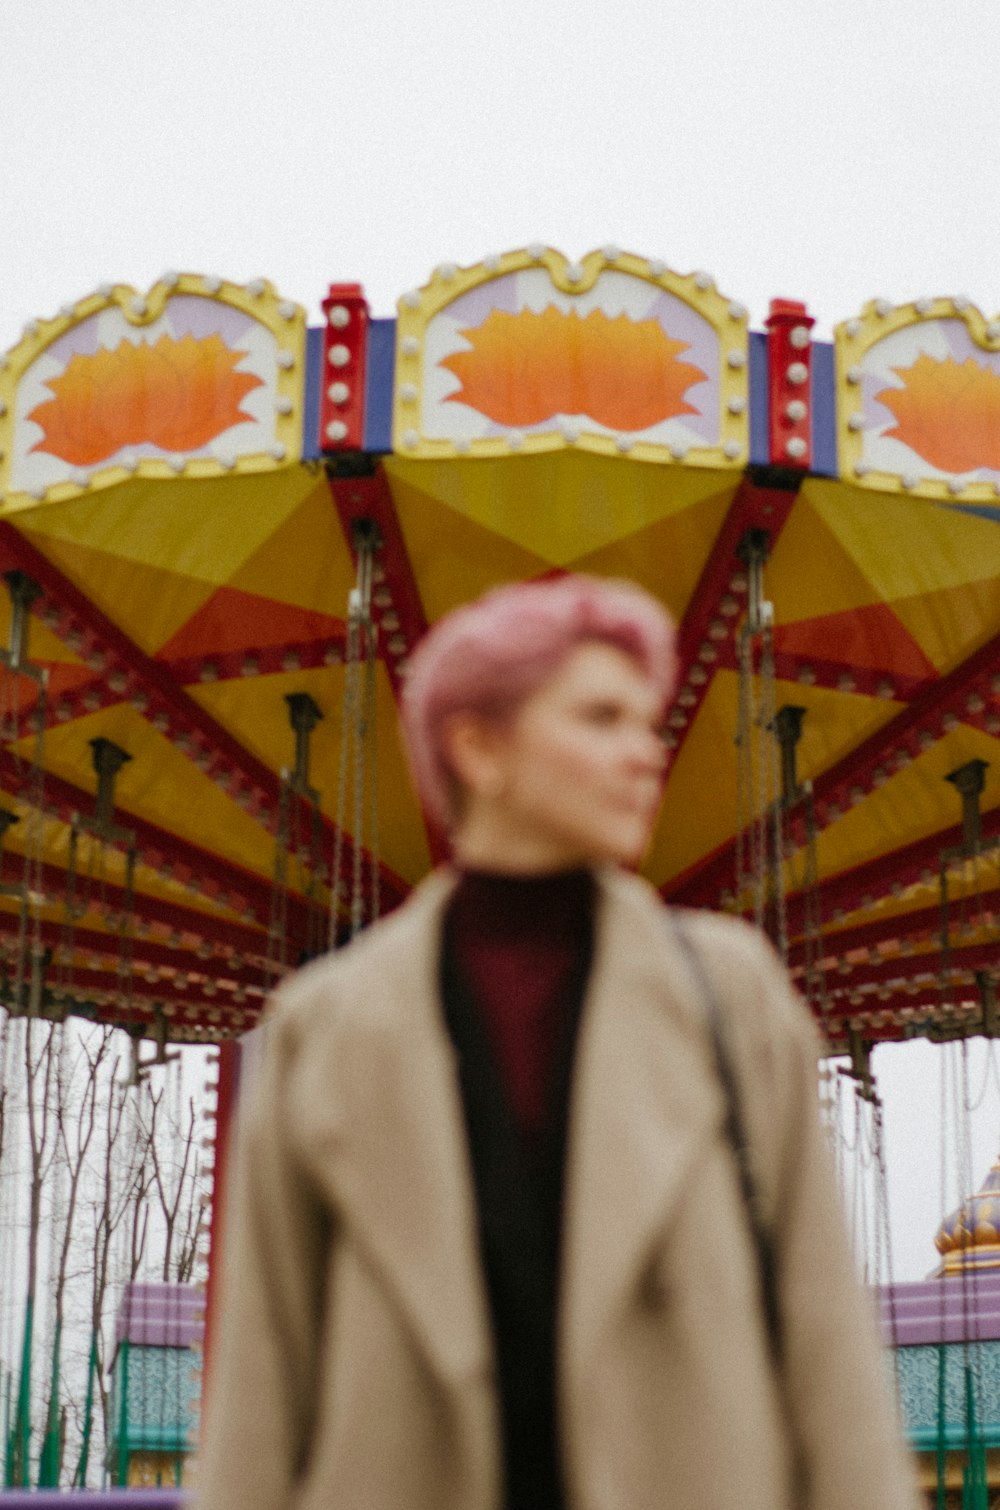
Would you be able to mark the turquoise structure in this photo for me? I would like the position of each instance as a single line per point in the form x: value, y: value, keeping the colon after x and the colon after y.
x: 156, y: 1385
x: 944, y: 1333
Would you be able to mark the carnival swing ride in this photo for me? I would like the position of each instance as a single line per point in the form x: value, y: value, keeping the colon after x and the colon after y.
x: 222, y: 532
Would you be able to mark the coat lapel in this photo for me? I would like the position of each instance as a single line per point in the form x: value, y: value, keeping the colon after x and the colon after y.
x: 644, y: 1107
x: 397, y: 1157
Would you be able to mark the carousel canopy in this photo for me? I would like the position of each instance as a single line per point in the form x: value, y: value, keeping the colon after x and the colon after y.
x: 221, y: 533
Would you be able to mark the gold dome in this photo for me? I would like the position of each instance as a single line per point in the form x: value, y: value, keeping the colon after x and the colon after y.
x: 970, y: 1237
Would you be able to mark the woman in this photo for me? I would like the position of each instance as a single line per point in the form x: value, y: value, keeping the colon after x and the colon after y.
x: 490, y: 1245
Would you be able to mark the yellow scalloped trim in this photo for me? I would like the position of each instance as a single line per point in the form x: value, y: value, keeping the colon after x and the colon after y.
x: 852, y: 340
x: 285, y: 320
x: 416, y: 309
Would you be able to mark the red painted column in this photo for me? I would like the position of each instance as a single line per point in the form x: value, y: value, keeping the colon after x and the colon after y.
x: 789, y: 365
x: 342, y: 386
x: 228, y: 1086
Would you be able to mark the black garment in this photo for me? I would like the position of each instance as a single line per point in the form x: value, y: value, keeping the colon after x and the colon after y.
x: 519, y: 1184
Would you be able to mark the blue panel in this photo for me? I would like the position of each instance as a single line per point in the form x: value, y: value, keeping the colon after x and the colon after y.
x: 824, y: 415
x: 379, y: 385
x: 919, y: 1375
x: 310, y: 415
x: 760, y: 454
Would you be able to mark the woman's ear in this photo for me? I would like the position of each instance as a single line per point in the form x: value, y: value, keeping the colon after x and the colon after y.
x: 472, y: 745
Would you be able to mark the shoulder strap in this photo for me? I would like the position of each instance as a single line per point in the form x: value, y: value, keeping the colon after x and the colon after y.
x: 737, y: 1137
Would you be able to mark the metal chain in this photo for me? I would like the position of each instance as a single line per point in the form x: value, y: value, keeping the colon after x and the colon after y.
x: 277, y: 929
x: 126, y: 934
x: 340, y: 817
x: 772, y: 811
x: 371, y: 677
x: 360, y: 741
x: 744, y: 778
x: 357, y: 783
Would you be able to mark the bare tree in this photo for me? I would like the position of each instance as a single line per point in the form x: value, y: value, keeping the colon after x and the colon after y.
x: 107, y: 1191
x: 171, y: 1150
x: 120, y: 1183
x: 38, y: 1069
x: 76, y: 1119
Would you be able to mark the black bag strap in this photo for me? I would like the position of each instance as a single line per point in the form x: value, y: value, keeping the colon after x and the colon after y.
x: 736, y: 1134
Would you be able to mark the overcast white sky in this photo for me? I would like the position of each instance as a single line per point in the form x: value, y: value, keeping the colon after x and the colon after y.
x: 827, y: 151
x: 831, y: 152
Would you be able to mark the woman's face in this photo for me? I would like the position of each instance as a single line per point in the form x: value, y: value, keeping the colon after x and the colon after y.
x: 576, y: 775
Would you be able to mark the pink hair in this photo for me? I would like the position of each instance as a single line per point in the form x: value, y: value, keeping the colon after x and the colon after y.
x: 488, y: 656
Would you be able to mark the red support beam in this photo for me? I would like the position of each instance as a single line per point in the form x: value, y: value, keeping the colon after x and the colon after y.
x: 915, y: 927
x: 99, y: 692
x: 190, y: 998
x: 148, y: 955
x: 154, y: 691
x: 227, y: 1094
x: 396, y: 602
x: 706, y: 632
x: 342, y: 378
x: 863, y: 885
x: 965, y: 695
x: 228, y: 884
x: 267, y: 660
x: 183, y: 923
x: 901, y: 1015
x: 894, y: 1016
x: 838, y: 676
x: 959, y: 960
x: 789, y: 367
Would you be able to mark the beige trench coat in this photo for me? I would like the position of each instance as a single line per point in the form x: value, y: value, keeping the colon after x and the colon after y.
x: 354, y: 1369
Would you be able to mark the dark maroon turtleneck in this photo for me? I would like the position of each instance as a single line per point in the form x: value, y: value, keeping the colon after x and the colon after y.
x: 519, y: 942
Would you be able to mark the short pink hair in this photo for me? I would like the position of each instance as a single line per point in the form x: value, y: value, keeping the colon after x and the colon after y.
x: 488, y: 656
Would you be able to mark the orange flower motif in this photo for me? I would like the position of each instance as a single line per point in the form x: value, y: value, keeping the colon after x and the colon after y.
x: 949, y: 412
x: 524, y: 368
x: 178, y: 395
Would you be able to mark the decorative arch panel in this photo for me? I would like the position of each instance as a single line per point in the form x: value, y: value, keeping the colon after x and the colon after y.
x: 530, y: 352
x: 197, y: 377
x: 918, y: 400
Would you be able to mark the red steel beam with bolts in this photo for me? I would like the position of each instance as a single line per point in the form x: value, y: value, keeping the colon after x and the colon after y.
x: 85, y: 982
x: 268, y: 660
x: 200, y: 1026
x: 920, y: 924
x: 959, y: 958
x: 863, y: 884
x: 705, y: 631
x: 790, y: 397
x: 925, y: 1004
x: 947, y: 698
x: 396, y: 602
x: 96, y: 693
x: 342, y: 377
x: 166, y: 699
x: 227, y: 1093
x: 921, y: 1009
x: 185, y: 922
x: 239, y: 889
x: 838, y: 676
x: 147, y: 954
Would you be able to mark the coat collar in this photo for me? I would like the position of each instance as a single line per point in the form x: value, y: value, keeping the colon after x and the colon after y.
x: 398, y: 1162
